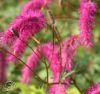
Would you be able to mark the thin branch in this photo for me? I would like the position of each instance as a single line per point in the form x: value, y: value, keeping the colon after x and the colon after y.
x: 36, y: 76
x: 74, y: 81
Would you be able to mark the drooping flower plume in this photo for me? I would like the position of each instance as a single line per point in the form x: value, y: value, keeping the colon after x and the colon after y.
x: 95, y: 89
x: 32, y: 61
x: 30, y: 24
x: 87, y: 12
x: 69, y: 47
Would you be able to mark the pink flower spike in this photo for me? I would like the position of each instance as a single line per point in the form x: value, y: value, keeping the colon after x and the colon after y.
x: 87, y: 12
x: 32, y: 61
x: 31, y: 23
x: 50, y: 52
x: 95, y: 89
x: 69, y: 47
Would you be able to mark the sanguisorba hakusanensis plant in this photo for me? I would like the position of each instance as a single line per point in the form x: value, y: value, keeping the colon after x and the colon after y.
x: 59, y: 56
x: 87, y: 12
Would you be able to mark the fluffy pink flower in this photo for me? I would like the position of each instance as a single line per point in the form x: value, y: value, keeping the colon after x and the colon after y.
x: 32, y: 61
x: 32, y: 23
x: 95, y: 89
x: 3, y: 65
x: 87, y: 12
x: 69, y: 47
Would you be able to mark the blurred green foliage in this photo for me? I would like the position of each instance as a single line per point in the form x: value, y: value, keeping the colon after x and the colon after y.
x: 87, y: 60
